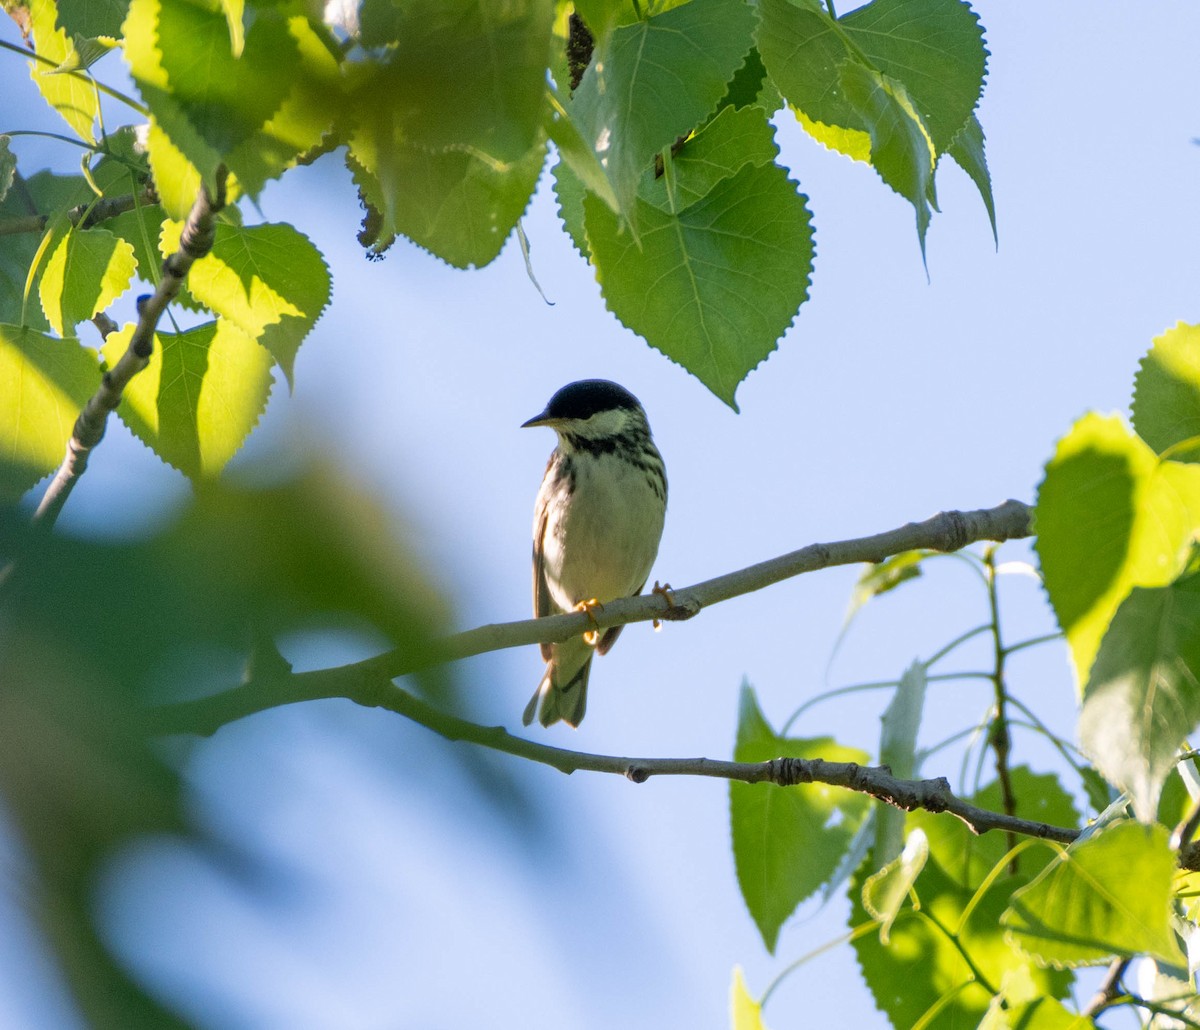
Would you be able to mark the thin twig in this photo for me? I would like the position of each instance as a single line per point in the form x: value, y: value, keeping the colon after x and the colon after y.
x: 83, y: 215
x: 998, y: 735
x: 195, y: 242
x: 377, y: 691
x: 953, y: 529
x: 1109, y: 989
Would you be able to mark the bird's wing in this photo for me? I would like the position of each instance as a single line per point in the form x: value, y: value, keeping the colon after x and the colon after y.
x: 542, y: 605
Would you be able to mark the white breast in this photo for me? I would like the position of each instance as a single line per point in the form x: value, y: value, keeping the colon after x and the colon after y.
x: 604, y: 542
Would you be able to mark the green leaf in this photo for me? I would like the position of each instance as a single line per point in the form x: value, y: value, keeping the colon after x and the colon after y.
x: 268, y: 280
x: 92, y: 18
x: 967, y: 150
x: 897, y: 751
x: 207, y: 101
x: 569, y: 191
x: 719, y: 150
x: 920, y: 966
x: 786, y: 840
x: 464, y: 73
x: 1166, y: 395
x: 744, y: 1012
x: 98, y: 630
x: 715, y: 286
x: 87, y: 271
x: 1143, y: 697
x: 654, y: 81
x: 197, y: 400
x: 885, y: 576
x: 85, y: 52
x: 457, y: 205
x: 72, y: 96
x: 1109, y: 895
x: 902, y: 152
x: 305, y: 116
x: 8, y: 167
x: 1019, y: 1006
x: 932, y: 48
x: 45, y: 383
x: 141, y: 229
x: 578, y: 155
x: 885, y: 892
x: 1110, y: 516
x: 935, y: 48
x: 176, y: 179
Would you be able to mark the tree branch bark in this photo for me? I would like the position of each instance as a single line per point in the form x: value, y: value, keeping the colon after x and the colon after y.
x: 83, y: 216
x: 195, y: 243
x: 946, y: 531
x: 375, y: 690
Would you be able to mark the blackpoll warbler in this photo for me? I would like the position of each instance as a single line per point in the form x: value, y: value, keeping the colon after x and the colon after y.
x: 596, y: 526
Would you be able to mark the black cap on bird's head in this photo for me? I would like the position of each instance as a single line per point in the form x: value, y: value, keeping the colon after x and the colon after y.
x: 582, y: 400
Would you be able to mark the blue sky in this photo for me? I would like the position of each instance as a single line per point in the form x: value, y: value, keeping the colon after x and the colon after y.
x: 399, y: 896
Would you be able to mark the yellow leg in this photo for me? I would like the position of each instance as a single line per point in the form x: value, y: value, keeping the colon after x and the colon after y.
x: 667, y: 594
x: 591, y: 606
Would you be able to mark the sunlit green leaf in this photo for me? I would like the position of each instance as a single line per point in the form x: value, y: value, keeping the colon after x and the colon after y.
x: 304, y: 117
x: 885, y: 576
x: 744, y: 1012
x: 1142, y: 699
x: 1020, y: 1006
x: 787, y: 841
x: 715, y: 286
x: 268, y: 280
x: 197, y: 400
x: 1166, y: 396
x: 1110, y: 516
x: 205, y: 100
x: 45, y: 383
x: 87, y: 271
x: 651, y: 82
x: 886, y: 891
x: 920, y: 965
x: 72, y: 96
x: 1108, y: 895
x: 176, y: 179
x: 142, y: 228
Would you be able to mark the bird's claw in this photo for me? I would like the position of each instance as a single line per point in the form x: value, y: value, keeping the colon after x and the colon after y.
x: 667, y: 594
x: 591, y: 606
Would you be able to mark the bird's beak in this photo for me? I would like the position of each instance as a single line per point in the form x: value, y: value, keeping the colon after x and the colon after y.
x: 540, y: 420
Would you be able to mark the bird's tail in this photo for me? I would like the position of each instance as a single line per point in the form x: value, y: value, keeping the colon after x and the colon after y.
x: 563, y: 691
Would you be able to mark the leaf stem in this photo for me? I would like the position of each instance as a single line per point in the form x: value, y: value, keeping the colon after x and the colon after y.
x: 90, y: 79
x: 847, y: 938
x: 999, y: 736
x: 957, y: 642
x: 1033, y: 642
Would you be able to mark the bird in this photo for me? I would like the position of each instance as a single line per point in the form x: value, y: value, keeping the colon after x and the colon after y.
x: 597, y: 524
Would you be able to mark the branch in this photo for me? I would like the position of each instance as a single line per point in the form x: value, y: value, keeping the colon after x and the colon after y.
x: 195, y: 243
x: 82, y: 215
x: 375, y: 690
x: 946, y: 531
x: 1108, y: 991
